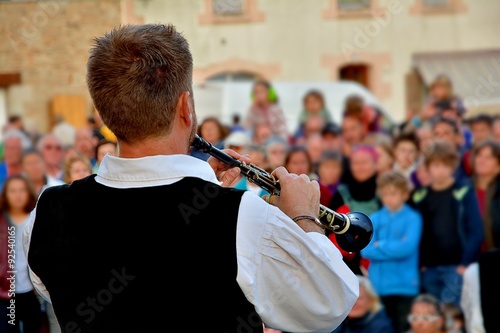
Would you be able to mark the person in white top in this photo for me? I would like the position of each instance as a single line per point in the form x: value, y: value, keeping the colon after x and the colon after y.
x: 233, y: 262
x: 21, y: 307
x: 480, y: 293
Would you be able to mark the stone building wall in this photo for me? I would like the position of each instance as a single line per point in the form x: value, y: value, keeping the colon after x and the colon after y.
x: 47, y: 43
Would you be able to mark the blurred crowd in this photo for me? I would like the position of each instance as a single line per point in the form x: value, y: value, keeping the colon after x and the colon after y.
x: 29, y: 164
x: 430, y: 184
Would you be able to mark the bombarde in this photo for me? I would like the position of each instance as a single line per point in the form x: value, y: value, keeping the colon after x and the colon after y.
x: 353, y: 230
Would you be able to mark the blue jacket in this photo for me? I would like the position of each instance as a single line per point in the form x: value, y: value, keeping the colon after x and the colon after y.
x: 393, y: 251
x: 469, y: 221
x: 3, y: 173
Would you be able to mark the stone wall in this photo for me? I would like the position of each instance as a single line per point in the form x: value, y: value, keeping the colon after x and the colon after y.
x: 47, y: 42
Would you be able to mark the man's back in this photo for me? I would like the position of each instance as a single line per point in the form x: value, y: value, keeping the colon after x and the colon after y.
x: 105, y: 273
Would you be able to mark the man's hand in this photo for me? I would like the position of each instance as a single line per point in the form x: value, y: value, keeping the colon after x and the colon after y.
x: 298, y: 194
x: 229, y: 176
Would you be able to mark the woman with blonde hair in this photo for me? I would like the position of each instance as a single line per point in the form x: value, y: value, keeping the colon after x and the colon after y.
x: 76, y: 167
x: 368, y: 313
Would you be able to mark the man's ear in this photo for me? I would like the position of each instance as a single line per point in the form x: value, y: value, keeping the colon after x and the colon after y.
x: 184, y: 109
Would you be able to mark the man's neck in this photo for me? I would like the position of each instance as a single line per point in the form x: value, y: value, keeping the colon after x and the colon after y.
x: 152, y: 147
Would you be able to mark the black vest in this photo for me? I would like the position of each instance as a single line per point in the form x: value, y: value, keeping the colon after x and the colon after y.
x: 155, y: 259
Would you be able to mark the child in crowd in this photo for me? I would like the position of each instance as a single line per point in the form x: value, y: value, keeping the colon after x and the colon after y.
x: 420, y: 177
x: 313, y: 105
x: 452, y: 232
x: 393, y: 250
x: 104, y: 147
x: 406, y: 153
x: 455, y: 320
x: 298, y: 161
x: 276, y: 149
x: 329, y: 170
x: 385, y: 154
x: 257, y: 156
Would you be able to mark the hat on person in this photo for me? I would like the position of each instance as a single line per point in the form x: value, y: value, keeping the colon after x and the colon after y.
x: 237, y: 139
x: 331, y: 128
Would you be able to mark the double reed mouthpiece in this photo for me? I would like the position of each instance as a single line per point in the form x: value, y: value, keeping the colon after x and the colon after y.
x: 353, y: 230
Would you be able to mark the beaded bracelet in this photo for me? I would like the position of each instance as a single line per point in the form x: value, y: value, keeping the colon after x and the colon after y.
x: 308, y: 217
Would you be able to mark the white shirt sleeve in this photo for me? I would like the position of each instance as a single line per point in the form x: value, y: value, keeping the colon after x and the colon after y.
x: 297, y: 281
x: 470, y: 300
x: 35, y: 280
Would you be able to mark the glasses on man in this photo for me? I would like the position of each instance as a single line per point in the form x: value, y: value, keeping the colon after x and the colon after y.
x: 422, y: 317
x: 52, y: 147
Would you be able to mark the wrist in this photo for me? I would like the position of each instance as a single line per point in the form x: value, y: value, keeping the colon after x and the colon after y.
x: 309, y: 223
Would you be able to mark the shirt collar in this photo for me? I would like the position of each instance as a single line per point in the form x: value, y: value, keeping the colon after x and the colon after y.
x: 152, y: 170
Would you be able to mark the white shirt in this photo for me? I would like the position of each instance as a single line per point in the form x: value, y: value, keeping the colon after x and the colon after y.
x: 51, y: 181
x: 470, y: 300
x: 296, y: 280
x: 254, y: 188
x: 22, y: 283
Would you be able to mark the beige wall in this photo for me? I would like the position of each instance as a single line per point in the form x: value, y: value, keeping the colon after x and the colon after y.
x: 283, y: 40
x: 302, y: 40
x: 47, y: 42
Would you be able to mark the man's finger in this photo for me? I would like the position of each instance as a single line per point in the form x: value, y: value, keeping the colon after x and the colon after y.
x: 316, y: 184
x: 237, y: 156
x: 270, y: 199
x: 279, y: 172
x: 231, y: 153
x: 230, y: 177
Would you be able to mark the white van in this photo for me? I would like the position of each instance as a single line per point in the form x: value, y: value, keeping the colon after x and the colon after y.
x: 225, y: 99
